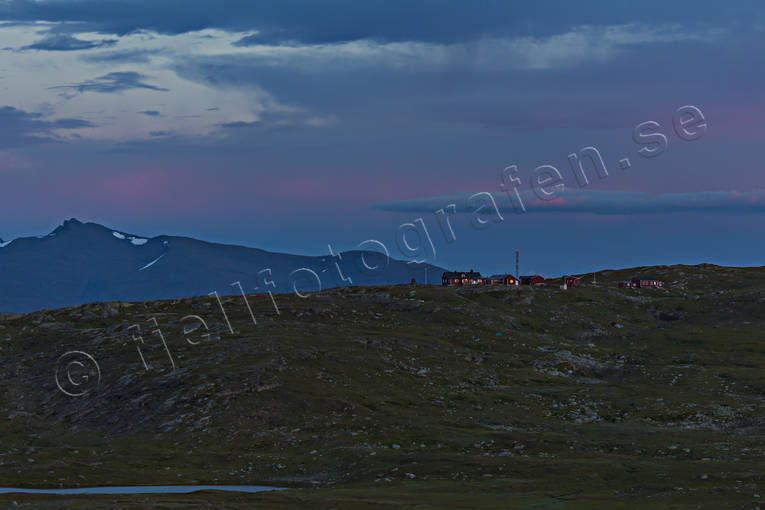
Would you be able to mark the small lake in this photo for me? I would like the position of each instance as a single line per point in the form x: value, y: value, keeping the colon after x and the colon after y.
x: 144, y: 489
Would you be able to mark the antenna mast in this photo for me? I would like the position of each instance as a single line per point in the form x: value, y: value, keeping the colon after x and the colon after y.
x: 517, y: 265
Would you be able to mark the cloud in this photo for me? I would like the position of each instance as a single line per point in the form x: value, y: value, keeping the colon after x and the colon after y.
x: 65, y: 42
x: 509, y: 83
x: 568, y: 49
x: 184, y: 111
x: 112, y: 83
x: 150, y: 113
x: 274, y: 120
x: 333, y: 21
x: 19, y: 128
x: 133, y: 56
x: 238, y: 124
x: 580, y: 44
x: 250, y: 40
x: 367, y: 72
x: 601, y: 202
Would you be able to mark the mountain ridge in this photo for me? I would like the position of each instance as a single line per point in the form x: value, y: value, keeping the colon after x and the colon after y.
x: 81, y: 262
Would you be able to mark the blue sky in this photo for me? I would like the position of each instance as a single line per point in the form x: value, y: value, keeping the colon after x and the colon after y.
x: 293, y: 125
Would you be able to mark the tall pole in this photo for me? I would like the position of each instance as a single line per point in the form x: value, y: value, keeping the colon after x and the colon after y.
x: 517, y: 265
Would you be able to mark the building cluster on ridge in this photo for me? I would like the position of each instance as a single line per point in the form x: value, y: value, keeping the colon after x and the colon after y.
x: 460, y: 278
x: 642, y: 282
x: 457, y: 278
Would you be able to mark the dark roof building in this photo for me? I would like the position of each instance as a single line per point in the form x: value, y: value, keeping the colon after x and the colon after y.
x: 533, y: 279
x: 461, y: 278
x: 501, y: 279
x: 647, y: 281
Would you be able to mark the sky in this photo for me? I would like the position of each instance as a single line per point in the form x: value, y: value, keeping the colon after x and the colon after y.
x: 298, y: 125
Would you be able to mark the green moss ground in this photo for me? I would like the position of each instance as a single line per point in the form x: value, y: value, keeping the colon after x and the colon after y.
x: 405, y: 396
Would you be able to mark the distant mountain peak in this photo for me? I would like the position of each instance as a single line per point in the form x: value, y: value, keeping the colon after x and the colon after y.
x: 72, y: 224
x: 81, y: 262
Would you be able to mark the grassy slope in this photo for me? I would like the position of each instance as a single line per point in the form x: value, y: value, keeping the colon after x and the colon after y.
x: 382, y: 397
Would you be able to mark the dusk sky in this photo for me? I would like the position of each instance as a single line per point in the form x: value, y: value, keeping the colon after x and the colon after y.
x: 291, y: 125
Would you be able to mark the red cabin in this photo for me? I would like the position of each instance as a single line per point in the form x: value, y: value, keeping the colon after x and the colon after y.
x: 572, y: 281
x: 461, y: 278
x: 534, y: 279
x: 501, y: 279
x: 647, y: 282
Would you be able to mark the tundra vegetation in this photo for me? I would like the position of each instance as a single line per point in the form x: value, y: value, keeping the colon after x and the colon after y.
x: 409, y: 395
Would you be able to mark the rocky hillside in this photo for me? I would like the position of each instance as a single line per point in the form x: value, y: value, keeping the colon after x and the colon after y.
x: 381, y: 397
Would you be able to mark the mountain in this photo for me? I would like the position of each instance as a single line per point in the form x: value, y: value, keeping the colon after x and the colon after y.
x: 85, y: 262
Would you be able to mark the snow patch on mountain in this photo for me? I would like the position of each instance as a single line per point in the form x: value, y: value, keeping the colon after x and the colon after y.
x: 152, y: 262
x: 138, y: 241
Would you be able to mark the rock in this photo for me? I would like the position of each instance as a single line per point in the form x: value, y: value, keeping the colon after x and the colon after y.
x: 405, y: 305
x: 669, y: 316
x: 54, y: 325
x: 114, y: 328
